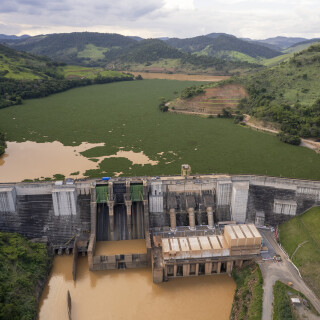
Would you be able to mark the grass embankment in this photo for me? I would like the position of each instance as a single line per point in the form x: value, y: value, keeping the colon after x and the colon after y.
x: 282, y: 306
x: 24, y: 268
x: 307, y: 258
x: 126, y: 115
x: 247, y: 303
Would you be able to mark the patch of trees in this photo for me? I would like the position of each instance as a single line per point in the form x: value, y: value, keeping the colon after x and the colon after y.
x: 192, y: 92
x: 13, y: 91
x: 288, y: 138
x: 24, y: 269
x: 163, y: 105
x: 3, y: 144
x: 226, y: 113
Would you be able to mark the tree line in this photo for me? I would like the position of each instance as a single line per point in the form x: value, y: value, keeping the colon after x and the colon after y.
x: 3, y: 144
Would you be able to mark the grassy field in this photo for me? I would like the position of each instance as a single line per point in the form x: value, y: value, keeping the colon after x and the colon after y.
x: 92, y: 52
x: 307, y: 258
x: 126, y: 115
x: 247, y: 303
x: 89, y: 73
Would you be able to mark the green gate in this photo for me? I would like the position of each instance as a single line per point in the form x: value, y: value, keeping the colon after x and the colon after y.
x: 102, y: 194
x: 136, y: 191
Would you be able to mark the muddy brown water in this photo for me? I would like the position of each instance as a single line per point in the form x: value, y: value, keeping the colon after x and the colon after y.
x: 131, y: 294
x: 31, y: 160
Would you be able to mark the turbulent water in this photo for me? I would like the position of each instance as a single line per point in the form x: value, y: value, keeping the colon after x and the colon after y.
x: 131, y: 294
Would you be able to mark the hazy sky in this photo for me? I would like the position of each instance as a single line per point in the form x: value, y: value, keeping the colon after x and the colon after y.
x: 156, y: 18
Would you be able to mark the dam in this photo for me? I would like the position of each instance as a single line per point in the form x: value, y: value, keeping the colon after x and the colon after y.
x: 180, y: 227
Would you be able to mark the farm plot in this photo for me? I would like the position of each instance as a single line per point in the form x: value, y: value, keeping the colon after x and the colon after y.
x: 212, y: 101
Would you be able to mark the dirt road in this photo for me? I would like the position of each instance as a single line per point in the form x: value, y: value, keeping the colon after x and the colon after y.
x: 313, y: 145
x: 284, y: 271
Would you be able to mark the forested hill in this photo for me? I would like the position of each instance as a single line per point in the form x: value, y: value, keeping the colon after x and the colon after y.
x: 288, y: 94
x: 21, y: 65
x: 73, y: 47
x: 124, y: 53
x: 211, y: 46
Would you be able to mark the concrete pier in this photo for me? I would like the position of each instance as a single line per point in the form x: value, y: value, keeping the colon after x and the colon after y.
x: 173, y: 220
x: 128, y: 209
x: 210, y: 217
x: 192, y: 221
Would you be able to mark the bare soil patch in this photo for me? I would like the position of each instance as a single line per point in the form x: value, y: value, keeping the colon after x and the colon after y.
x: 212, y: 101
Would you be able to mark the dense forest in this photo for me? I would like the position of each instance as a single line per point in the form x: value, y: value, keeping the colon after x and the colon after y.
x: 24, y: 268
x: 287, y: 94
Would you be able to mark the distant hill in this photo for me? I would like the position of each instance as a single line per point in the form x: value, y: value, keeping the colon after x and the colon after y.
x: 126, y: 53
x: 288, y: 94
x: 12, y: 37
x: 213, y: 44
x: 282, y: 42
x: 301, y: 45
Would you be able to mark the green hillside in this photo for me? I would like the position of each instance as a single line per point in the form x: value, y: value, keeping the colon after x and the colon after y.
x: 307, y: 258
x: 21, y: 65
x: 288, y: 94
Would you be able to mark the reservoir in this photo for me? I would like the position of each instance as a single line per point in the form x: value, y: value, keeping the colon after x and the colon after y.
x: 131, y: 294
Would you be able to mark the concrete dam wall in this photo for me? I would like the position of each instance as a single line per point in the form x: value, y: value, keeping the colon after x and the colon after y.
x: 130, y: 208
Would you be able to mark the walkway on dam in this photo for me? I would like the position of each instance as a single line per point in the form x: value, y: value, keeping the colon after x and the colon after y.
x: 283, y: 271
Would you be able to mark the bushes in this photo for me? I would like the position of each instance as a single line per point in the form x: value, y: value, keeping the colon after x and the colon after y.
x: 288, y: 138
x: 191, y: 92
x: 247, y: 302
x: 163, y: 107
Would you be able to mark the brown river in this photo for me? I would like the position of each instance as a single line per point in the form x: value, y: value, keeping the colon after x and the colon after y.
x: 131, y: 294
